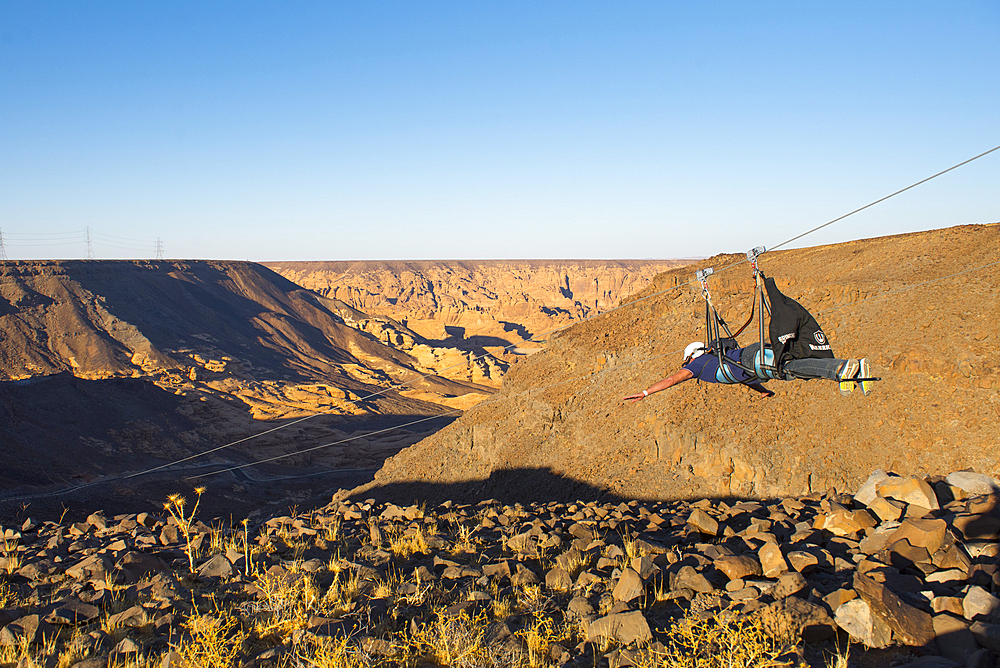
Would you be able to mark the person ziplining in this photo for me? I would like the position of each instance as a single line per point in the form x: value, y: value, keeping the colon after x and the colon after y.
x: 797, y: 348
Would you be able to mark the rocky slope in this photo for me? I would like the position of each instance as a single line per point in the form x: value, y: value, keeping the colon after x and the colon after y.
x: 111, y: 366
x: 902, y: 573
x: 489, y: 303
x: 560, y: 412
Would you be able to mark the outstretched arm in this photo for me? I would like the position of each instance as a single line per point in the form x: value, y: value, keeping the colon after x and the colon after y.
x: 669, y: 381
x: 760, y: 388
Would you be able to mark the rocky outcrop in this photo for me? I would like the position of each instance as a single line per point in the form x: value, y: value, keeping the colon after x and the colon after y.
x: 932, y: 343
x: 492, y: 303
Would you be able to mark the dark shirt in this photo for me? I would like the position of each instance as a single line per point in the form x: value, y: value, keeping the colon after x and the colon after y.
x: 706, y: 367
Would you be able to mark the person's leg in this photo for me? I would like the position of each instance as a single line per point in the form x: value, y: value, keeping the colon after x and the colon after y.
x: 814, y: 367
x: 748, y: 354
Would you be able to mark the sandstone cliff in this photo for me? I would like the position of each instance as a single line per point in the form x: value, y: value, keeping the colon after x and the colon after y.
x: 490, y: 303
x: 936, y: 409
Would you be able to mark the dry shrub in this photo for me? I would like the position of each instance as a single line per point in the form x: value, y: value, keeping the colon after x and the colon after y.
x: 214, y: 642
x: 286, y: 604
x: 318, y: 652
x: 464, y: 641
x: 8, y: 595
x: 539, y: 636
x: 403, y: 544
x: 721, y: 641
x: 12, y: 561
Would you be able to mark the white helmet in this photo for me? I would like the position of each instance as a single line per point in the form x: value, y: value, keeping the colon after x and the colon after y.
x: 694, y: 349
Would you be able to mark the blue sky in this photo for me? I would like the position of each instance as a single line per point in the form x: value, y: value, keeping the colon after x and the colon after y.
x: 463, y: 130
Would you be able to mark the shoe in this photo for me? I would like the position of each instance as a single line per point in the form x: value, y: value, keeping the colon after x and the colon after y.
x: 847, y: 374
x: 865, y: 372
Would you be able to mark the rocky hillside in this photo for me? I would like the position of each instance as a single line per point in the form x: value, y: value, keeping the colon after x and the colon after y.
x: 489, y: 303
x: 903, y: 573
x: 109, y: 366
x: 560, y: 413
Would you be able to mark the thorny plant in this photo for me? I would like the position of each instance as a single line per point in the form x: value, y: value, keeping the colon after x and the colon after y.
x: 175, y: 506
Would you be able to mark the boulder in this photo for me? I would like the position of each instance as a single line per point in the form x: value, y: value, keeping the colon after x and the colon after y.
x: 855, y: 617
x: 688, y: 578
x: 216, y: 567
x: 987, y: 635
x: 788, y: 584
x: 867, y: 493
x: 579, y: 607
x: 738, y: 567
x: 802, y: 561
x: 772, y: 561
x: 703, y: 522
x: 980, y: 605
x: 558, y: 579
x: 954, y: 640
x: 973, y: 484
x: 796, y: 617
x: 910, y: 625
x: 523, y: 576
x: 912, y: 491
x: 925, y: 533
x: 843, y: 522
x: 71, y: 612
x: 978, y: 526
x: 886, y: 510
x: 623, y: 628
x: 629, y: 587
x: 29, y: 629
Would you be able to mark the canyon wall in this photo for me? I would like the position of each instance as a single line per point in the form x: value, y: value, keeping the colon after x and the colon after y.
x: 489, y: 303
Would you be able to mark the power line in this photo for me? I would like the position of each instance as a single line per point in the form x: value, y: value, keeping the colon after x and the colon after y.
x: 3, y: 251
x: 159, y: 248
x: 90, y: 249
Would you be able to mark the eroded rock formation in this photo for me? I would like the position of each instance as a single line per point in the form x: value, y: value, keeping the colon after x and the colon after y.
x: 491, y: 303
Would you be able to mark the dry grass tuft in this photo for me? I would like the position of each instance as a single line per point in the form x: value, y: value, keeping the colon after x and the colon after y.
x: 214, y: 641
x: 463, y: 641
x: 720, y: 641
x: 11, y: 555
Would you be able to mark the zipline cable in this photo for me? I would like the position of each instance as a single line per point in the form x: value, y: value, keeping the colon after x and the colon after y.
x: 878, y: 201
x: 620, y: 306
x: 617, y: 367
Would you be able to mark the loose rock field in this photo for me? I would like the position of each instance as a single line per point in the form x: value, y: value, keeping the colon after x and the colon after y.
x: 904, y: 572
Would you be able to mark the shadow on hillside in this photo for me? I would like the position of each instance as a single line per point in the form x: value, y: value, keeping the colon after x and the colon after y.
x: 69, y: 442
x: 60, y: 429
x: 520, y: 485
